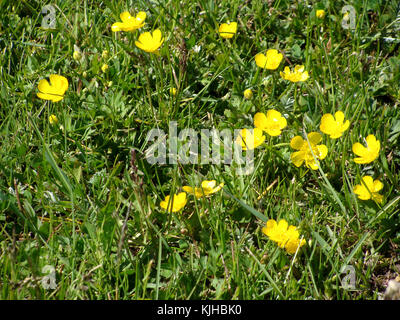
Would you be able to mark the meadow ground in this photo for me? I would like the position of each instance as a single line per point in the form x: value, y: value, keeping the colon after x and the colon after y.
x: 81, y: 207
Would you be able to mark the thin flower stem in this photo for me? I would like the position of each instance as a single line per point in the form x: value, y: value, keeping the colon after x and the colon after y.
x: 159, y: 74
x: 148, y: 91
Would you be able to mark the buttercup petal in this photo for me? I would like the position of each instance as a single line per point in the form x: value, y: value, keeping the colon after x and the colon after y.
x: 273, y: 59
x: 322, y: 150
x: 125, y: 17
x: 141, y: 16
x: 312, y: 164
x: 208, y: 184
x: 304, y: 76
x: 46, y: 96
x: 273, y: 114
x: 327, y: 123
x: 271, y: 53
x: 140, y: 45
x: 371, y: 140
x: 314, y: 137
x: 157, y: 35
x: 345, y: 125
x: 286, y: 70
x: 261, y: 60
x: 282, y: 225
x: 117, y: 26
x: 60, y: 83
x: 361, y: 160
x: 373, y: 144
x: 377, y: 186
x: 361, y: 192
x: 260, y: 120
x: 339, y: 116
x: 145, y: 38
x: 297, y: 142
x: 227, y: 30
x: 188, y: 189
x: 369, y: 182
x: 297, y: 158
x: 273, y: 132
x: 359, y: 149
x: 44, y: 86
x: 282, y: 122
x: 270, y: 225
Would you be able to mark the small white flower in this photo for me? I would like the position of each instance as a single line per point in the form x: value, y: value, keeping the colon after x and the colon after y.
x: 197, y: 48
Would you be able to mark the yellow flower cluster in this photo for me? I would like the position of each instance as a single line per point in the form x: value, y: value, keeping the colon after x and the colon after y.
x: 298, y: 74
x: 174, y: 203
x: 250, y: 139
x: 308, y: 150
x: 369, y: 188
x: 178, y: 201
x: 286, y: 237
x: 129, y: 23
x: 270, y: 60
x: 207, y: 188
x: 148, y: 42
x: 271, y: 123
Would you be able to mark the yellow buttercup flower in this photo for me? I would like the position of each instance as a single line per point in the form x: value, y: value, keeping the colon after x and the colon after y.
x: 272, y: 123
x: 320, y: 13
x: 129, y: 23
x: 369, y: 189
x: 54, y: 90
x: 284, y: 235
x: 334, y: 126
x: 104, y: 68
x: 304, y: 154
x: 176, y: 204
x: 295, y: 76
x: 53, y: 119
x: 227, y: 30
x: 250, y: 138
x: 207, y: 187
x: 369, y: 153
x: 270, y: 60
x: 275, y: 231
x: 248, y: 94
x: 150, y: 42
